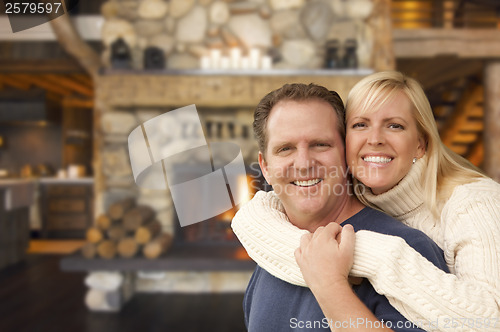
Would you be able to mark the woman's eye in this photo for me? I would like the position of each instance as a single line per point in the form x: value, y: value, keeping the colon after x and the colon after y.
x: 359, y: 125
x: 396, y: 126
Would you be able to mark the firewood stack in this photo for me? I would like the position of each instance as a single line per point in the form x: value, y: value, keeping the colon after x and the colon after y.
x: 126, y: 230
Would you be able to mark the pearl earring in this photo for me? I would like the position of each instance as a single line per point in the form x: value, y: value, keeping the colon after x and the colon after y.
x: 414, y: 160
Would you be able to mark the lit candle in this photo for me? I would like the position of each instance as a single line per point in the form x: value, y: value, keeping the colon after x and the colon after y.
x: 235, y: 56
x: 205, y: 62
x: 215, y: 55
x: 267, y: 62
x: 225, y: 62
x: 245, y: 62
x: 254, y: 58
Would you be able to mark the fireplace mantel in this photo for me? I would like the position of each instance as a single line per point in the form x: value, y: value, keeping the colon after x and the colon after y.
x: 211, y: 88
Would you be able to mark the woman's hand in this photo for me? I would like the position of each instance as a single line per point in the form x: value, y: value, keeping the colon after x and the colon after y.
x: 325, y: 257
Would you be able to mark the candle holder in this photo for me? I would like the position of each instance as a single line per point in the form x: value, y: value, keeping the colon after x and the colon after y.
x: 350, y: 59
x: 120, y: 55
x: 154, y: 58
x: 332, y: 59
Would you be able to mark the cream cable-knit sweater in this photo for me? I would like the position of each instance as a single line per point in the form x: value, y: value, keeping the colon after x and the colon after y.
x: 468, y: 231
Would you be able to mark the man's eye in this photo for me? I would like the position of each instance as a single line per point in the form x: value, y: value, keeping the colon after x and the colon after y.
x: 283, y: 149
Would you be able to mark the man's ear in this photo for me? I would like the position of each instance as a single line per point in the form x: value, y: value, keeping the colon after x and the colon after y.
x: 263, y: 167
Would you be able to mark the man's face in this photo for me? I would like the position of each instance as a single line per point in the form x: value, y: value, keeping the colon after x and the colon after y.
x: 304, y: 160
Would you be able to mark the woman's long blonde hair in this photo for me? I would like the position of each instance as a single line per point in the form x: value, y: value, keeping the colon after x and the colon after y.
x: 445, y: 169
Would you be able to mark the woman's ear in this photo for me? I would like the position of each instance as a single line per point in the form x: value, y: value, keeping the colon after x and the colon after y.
x: 422, y: 146
x: 263, y: 167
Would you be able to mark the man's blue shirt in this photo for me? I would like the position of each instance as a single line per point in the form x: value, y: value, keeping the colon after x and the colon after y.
x: 271, y: 304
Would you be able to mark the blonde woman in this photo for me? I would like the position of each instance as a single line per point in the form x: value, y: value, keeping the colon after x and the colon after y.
x: 401, y: 167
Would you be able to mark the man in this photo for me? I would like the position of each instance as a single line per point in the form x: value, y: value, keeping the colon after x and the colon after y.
x: 300, y: 131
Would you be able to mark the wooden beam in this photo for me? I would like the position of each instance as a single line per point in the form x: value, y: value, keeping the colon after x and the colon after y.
x: 464, y: 43
x: 70, y: 39
x: 62, y: 66
x: 83, y: 79
x: 65, y: 82
x: 40, y: 82
x: 149, y: 90
x: 15, y: 83
x: 75, y: 102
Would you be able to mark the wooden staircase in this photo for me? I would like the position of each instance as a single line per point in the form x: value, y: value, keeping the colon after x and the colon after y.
x: 461, y: 130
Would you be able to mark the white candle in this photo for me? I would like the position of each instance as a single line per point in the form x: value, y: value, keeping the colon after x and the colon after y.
x: 225, y: 62
x: 205, y: 62
x: 254, y: 58
x: 215, y: 58
x: 245, y: 62
x: 267, y: 62
x: 235, y: 56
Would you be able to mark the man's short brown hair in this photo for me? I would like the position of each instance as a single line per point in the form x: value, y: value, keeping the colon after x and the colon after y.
x: 295, y: 92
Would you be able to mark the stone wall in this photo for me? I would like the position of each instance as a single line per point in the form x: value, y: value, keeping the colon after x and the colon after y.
x: 292, y: 32
x: 125, y: 101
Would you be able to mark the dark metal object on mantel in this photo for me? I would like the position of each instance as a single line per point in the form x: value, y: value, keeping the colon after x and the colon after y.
x: 332, y: 60
x: 120, y: 55
x: 350, y: 58
x: 154, y: 58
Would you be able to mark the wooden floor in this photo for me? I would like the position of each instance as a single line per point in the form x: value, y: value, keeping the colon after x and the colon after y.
x: 37, y: 296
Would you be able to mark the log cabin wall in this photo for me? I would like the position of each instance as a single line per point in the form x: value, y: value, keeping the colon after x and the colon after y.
x: 452, y: 47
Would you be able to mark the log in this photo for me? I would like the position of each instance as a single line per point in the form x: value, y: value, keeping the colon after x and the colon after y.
x: 89, y: 250
x: 107, y: 249
x: 98, y: 300
x: 109, y: 291
x: 158, y: 246
x: 106, y: 281
x: 94, y: 235
x: 138, y: 216
x: 117, y: 210
x: 116, y: 233
x: 103, y: 222
x: 128, y: 247
x: 147, y: 232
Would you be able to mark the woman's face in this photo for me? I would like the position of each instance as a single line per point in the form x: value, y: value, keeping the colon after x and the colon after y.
x: 381, y: 145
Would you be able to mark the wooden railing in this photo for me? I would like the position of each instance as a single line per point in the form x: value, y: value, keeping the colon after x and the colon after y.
x: 419, y: 14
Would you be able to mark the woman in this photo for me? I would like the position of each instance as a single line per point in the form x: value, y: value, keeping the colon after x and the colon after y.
x: 401, y: 167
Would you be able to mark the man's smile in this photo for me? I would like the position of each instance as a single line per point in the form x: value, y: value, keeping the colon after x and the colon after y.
x: 307, y: 183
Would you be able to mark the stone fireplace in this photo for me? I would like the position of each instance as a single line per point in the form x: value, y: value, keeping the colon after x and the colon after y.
x: 293, y: 33
x: 225, y: 104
